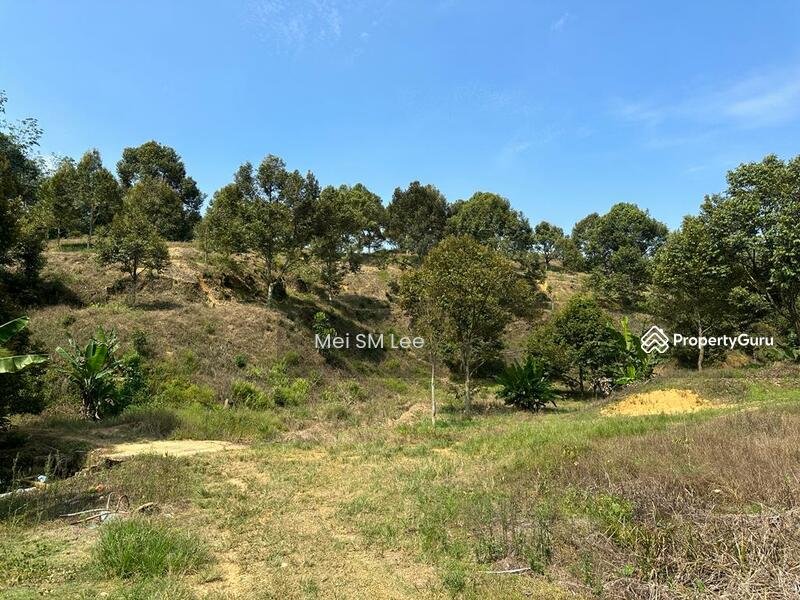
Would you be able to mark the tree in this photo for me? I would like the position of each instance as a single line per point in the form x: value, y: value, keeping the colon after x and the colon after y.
x: 133, y: 243
x: 270, y: 211
x: 21, y: 239
x: 416, y: 218
x: 334, y: 225
x: 21, y: 387
x: 160, y: 205
x: 427, y: 318
x: 155, y: 161
x: 370, y: 218
x: 225, y: 221
x: 347, y: 220
x: 571, y: 257
x: 95, y: 371
x: 617, y: 248
x: 281, y: 209
x: 489, y: 219
x: 548, y: 240
x: 692, y: 280
x: 471, y: 292
x: 97, y: 194
x: 58, y: 198
x: 578, y: 344
x: 755, y: 223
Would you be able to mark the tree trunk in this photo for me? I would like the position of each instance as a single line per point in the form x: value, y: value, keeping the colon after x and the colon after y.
x: 580, y: 381
x: 135, y: 279
x: 701, y: 349
x: 433, y: 391
x: 270, y: 289
x: 468, y: 397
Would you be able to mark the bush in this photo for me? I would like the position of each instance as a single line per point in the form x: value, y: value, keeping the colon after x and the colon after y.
x: 526, y: 385
x: 139, y: 547
x: 337, y: 412
x: 240, y: 360
x: 134, y: 388
x: 349, y: 392
x: 292, y: 393
x: 249, y: 395
x: 180, y: 391
x: 140, y: 343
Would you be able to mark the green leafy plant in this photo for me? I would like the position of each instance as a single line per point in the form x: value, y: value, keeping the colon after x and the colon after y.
x: 142, y: 548
x: 94, y: 371
x: 637, y: 365
x: 323, y: 328
x: 526, y: 385
x: 10, y: 363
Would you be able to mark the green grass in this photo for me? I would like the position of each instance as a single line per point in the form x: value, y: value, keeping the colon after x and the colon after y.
x: 144, y: 548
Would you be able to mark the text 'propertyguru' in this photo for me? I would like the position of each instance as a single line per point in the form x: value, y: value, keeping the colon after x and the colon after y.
x: 743, y: 340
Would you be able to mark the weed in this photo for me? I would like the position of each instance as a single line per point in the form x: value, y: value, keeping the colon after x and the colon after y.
x: 292, y: 393
x: 240, y: 360
x: 181, y: 392
x: 145, y: 548
x: 337, y: 411
x: 249, y: 395
x: 141, y: 343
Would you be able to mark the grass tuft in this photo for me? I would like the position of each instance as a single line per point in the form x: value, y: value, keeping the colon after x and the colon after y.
x: 144, y: 548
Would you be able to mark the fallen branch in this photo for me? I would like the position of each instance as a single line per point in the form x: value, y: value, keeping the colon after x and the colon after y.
x: 508, y: 571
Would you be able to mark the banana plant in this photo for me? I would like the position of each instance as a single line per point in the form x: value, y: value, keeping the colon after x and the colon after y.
x: 10, y: 363
x: 638, y: 364
x: 94, y: 371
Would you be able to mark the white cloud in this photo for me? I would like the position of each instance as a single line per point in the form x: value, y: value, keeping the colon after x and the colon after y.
x: 559, y: 23
x: 762, y: 100
x: 294, y: 24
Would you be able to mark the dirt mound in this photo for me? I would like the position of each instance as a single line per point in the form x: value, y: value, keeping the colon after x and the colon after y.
x: 170, y: 447
x: 658, y: 402
x: 413, y: 413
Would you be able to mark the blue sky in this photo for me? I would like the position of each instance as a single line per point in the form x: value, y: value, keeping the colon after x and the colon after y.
x: 563, y: 107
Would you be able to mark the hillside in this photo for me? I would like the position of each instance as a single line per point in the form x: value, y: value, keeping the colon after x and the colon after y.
x: 326, y: 478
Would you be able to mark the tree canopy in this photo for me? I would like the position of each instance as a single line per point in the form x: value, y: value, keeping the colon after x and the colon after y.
x: 489, y: 219
x: 156, y: 162
x: 416, y: 218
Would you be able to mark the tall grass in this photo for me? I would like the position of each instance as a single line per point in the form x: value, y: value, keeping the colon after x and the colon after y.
x: 143, y: 548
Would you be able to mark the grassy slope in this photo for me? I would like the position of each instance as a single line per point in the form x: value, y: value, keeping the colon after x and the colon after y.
x: 374, y: 502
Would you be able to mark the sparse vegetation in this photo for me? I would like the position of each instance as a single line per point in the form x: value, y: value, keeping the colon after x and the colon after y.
x: 681, y: 484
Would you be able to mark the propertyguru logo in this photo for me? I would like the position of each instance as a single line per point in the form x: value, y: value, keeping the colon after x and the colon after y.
x: 656, y: 339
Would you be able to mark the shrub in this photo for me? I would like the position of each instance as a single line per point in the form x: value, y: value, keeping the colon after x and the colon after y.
x: 181, y: 392
x: 140, y: 343
x: 249, y: 395
x: 348, y: 393
x: 240, y: 360
x: 292, y: 393
x: 526, y: 385
x: 337, y: 411
x: 134, y: 388
x: 144, y: 548
x: 322, y: 328
x: 393, y: 384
